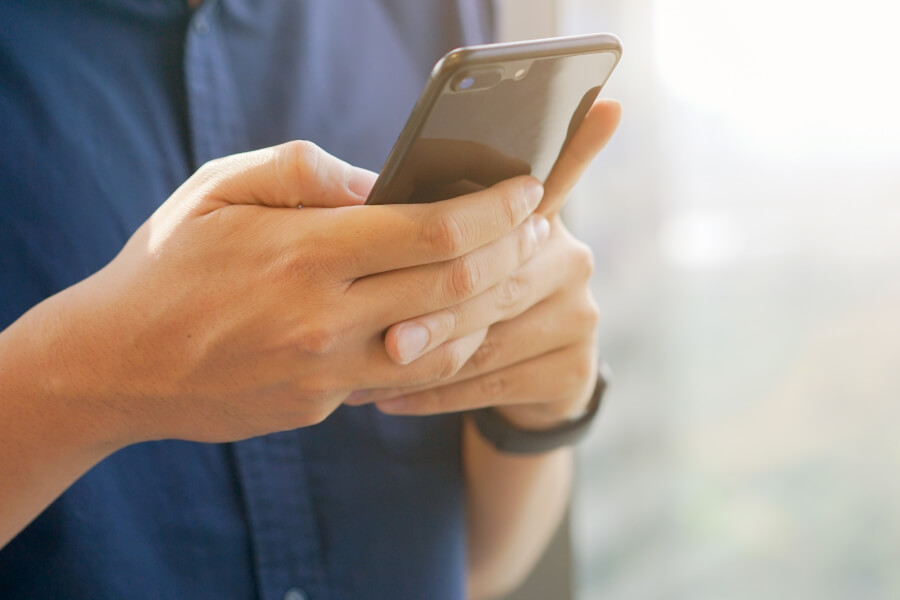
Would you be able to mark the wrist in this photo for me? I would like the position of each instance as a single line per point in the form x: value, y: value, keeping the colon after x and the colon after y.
x: 56, y: 378
x: 546, y: 415
x: 525, y: 438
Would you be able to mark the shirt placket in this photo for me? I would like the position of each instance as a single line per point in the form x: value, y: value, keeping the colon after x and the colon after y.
x: 286, y: 544
x: 286, y: 541
x: 214, y: 114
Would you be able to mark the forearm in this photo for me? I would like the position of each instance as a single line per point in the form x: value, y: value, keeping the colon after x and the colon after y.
x: 49, y: 435
x: 515, y: 504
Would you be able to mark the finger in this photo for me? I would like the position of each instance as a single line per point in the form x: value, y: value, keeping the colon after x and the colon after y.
x: 550, y: 378
x: 592, y: 135
x: 356, y: 241
x: 540, y: 277
x: 297, y: 173
x: 536, y: 332
x: 440, y: 365
x: 389, y: 237
x: 391, y: 297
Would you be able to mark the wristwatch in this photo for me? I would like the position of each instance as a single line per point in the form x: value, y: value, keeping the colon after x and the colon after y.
x: 506, y: 437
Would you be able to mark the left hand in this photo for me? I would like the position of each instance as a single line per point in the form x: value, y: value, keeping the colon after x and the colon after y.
x: 538, y: 363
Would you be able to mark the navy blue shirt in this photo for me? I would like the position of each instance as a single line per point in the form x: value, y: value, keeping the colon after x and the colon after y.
x: 106, y: 106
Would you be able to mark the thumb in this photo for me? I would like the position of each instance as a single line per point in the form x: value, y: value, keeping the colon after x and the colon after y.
x: 291, y: 175
x: 593, y: 133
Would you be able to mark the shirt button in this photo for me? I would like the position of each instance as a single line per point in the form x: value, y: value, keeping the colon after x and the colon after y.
x: 295, y: 594
x: 201, y: 25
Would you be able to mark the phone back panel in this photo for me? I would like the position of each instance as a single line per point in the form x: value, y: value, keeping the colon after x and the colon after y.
x: 493, y: 112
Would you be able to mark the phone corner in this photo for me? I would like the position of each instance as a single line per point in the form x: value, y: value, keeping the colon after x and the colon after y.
x: 450, y: 62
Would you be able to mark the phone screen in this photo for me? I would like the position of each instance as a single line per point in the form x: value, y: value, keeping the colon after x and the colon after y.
x: 494, y: 121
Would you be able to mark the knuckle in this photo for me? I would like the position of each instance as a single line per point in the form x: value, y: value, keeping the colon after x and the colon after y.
x: 307, y: 260
x: 493, y: 386
x: 516, y: 205
x: 318, y: 340
x: 484, y: 356
x: 299, y: 160
x: 301, y: 257
x: 300, y: 153
x: 508, y: 293
x: 443, y: 234
x: 590, y: 312
x: 231, y: 224
x: 583, y: 258
x: 287, y: 273
x: 446, y: 322
x: 211, y: 173
x: 452, y: 361
x: 209, y: 167
x: 463, y: 278
x: 526, y: 242
x: 513, y: 204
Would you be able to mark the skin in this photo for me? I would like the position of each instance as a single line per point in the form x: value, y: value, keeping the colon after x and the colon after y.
x: 230, y: 314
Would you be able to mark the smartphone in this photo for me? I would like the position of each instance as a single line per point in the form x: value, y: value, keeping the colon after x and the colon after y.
x: 492, y: 112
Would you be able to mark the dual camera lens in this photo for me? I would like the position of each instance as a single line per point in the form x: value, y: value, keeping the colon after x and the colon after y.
x: 483, y: 78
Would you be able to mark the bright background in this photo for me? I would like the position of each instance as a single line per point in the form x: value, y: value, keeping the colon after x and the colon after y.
x: 746, y: 223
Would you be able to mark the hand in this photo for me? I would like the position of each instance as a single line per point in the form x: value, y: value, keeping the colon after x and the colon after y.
x: 230, y: 313
x: 538, y: 362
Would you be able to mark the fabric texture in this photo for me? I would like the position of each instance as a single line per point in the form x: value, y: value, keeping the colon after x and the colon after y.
x: 106, y: 106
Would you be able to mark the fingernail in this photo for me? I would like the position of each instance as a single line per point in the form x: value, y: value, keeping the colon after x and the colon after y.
x: 393, y: 405
x: 358, y: 397
x: 361, y: 182
x: 411, y: 341
x: 534, y: 191
x: 541, y: 228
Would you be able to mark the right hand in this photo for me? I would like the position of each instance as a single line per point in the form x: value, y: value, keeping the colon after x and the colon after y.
x: 230, y: 313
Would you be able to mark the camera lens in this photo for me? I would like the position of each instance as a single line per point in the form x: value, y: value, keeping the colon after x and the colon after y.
x: 479, y: 79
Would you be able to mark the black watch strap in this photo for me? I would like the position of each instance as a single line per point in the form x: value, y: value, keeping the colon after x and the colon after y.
x: 506, y: 437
